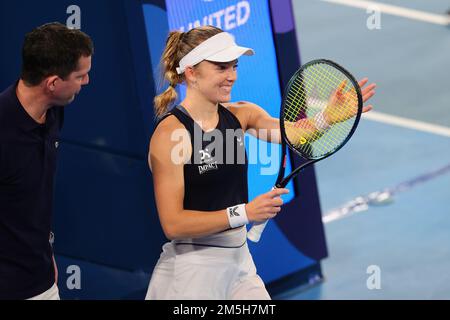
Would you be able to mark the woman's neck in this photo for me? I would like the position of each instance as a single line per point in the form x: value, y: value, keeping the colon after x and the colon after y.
x: 202, y: 111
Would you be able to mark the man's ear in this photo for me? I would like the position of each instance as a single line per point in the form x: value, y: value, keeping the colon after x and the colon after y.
x: 49, y: 83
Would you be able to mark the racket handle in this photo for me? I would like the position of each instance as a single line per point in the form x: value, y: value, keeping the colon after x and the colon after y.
x: 254, y: 234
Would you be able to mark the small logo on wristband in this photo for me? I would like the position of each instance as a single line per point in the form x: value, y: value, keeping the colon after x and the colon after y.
x: 237, y: 216
x: 233, y: 212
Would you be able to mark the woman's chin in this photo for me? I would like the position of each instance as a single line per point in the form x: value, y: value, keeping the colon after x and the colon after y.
x: 225, y: 98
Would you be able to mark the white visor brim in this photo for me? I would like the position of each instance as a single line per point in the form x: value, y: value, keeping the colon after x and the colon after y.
x: 230, y: 54
x: 218, y: 48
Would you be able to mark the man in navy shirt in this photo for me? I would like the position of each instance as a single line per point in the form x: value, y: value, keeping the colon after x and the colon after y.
x: 55, y: 65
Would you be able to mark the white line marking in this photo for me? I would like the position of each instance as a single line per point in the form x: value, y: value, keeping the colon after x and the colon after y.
x: 407, y: 123
x: 396, y: 11
x: 381, y: 197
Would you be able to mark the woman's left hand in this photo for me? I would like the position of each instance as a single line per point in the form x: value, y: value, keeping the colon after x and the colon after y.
x: 346, y: 102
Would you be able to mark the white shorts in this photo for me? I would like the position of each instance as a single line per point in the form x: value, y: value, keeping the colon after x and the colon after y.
x: 187, y: 271
x: 50, y: 294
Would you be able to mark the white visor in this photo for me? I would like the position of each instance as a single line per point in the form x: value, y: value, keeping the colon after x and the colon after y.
x: 218, y: 48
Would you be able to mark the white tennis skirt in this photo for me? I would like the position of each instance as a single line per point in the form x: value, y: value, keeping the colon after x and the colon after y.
x: 203, y: 272
x: 50, y: 294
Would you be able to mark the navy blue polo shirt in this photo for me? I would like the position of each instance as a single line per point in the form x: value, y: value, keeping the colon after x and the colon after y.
x: 27, y: 170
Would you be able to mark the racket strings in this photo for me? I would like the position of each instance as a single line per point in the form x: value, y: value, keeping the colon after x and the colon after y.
x: 319, y: 88
x: 327, y: 142
x: 310, y: 101
x: 344, y: 112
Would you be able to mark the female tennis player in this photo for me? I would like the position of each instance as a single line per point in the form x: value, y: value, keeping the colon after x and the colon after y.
x: 200, y: 172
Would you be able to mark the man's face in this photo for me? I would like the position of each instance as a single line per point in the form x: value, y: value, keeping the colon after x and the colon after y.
x: 66, y: 90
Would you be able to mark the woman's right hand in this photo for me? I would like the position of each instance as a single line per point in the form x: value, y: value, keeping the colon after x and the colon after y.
x: 265, y: 206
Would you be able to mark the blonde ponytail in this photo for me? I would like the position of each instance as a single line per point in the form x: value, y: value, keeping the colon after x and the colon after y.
x: 169, y: 64
x: 163, y: 100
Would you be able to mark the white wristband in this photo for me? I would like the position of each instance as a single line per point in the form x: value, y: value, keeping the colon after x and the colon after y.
x: 237, y: 216
x: 320, y: 122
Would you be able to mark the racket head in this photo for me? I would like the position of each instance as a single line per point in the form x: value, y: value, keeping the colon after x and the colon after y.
x: 308, y: 93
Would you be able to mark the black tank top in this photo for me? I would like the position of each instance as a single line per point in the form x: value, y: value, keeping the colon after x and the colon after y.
x: 216, y: 176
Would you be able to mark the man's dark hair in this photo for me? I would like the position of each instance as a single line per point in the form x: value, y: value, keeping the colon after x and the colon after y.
x: 53, y: 49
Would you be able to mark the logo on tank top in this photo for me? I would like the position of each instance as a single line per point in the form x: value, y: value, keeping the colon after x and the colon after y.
x: 207, y: 163
x: 204, y: 154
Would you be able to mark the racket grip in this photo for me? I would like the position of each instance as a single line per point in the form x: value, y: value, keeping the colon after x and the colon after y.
x: 254, y: 234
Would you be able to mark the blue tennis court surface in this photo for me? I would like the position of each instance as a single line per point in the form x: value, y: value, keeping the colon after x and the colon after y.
x: 407, y: 239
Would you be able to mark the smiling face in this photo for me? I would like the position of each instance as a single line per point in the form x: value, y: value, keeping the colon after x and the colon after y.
x: 65, y: 90
x: 214, y: 80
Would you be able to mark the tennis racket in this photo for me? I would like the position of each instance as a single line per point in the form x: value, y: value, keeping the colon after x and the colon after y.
x: 321, y: 108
